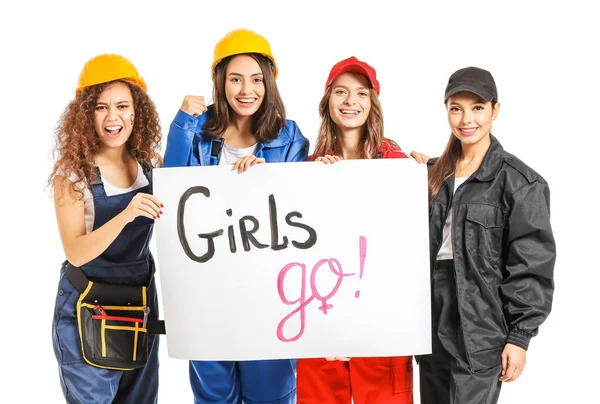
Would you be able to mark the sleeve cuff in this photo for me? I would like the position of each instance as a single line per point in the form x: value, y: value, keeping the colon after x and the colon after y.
x: 519, y: 338
x: 185, y: 121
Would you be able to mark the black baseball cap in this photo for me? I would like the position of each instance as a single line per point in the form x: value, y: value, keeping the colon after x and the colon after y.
x: 474, y: 80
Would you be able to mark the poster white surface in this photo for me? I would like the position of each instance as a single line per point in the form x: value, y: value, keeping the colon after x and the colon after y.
x: 292, y: 260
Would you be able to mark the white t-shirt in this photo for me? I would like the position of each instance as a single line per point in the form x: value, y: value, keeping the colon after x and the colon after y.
x: 110, y: 189
x: 446, y: 251
x: 230, y: 155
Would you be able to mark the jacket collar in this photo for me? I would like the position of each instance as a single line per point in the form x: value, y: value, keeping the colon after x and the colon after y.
x: 284, y: 138
x: 491, y: 163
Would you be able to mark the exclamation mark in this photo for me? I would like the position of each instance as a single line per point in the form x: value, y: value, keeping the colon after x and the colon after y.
x: 362, y: 241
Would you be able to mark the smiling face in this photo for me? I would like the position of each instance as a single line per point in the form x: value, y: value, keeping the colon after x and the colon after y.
x: 470, y: 118
x: 114, y: 115
x: 350, y: 102
x: 244, y: 87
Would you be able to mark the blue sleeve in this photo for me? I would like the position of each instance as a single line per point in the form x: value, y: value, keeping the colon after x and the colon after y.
x: 299, y: 148
x: 180, y: 141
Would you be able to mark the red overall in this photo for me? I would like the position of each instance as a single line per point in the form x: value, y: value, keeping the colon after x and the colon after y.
x: 381, y: 380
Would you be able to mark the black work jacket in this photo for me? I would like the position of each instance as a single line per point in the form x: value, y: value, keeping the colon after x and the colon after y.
x: 504, y: 253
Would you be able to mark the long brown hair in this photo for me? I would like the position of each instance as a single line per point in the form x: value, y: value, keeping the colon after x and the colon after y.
x: 77, y: 143
x: 267, y: 122
x: 445, y: 165
x: 328, y: 132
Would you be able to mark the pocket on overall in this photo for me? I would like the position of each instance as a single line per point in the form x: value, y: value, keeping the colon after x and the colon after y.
x: 112, y: 325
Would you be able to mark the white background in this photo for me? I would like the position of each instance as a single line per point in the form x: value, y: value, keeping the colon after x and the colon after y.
x: 543, y: 55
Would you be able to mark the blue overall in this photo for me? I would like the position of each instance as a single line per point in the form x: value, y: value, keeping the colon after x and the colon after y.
x: 126, y: 261
x: 227, y: 382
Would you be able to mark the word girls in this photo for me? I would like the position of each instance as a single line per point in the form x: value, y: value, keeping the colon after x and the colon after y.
x: 246, y: 233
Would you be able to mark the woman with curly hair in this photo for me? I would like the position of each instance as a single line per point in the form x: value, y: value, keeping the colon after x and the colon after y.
x: 107, y: 142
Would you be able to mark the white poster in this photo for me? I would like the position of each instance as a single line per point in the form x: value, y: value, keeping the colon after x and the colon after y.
x: 293, y: 260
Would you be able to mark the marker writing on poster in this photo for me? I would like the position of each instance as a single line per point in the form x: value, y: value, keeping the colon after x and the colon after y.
x: 362, y: 251
x: 248, y: 225
x: 335, y: 267
x: 246, y: 233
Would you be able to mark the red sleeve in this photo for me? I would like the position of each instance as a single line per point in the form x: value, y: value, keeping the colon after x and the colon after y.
x: 390, y: 151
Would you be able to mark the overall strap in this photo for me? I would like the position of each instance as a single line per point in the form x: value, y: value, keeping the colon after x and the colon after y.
x: 216, y: 147
x: 97, y: 184
x: 148, y: 173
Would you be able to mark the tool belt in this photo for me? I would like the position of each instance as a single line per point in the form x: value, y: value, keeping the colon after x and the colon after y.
x: 113, y: 322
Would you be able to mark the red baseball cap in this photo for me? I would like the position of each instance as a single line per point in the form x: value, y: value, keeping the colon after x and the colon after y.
x: 353, y: 65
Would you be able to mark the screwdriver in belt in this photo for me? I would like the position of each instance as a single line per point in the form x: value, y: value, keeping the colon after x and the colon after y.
x: 146, y: 312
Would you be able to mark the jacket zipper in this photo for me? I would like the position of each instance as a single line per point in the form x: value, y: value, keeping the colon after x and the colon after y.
x: 452, y: 206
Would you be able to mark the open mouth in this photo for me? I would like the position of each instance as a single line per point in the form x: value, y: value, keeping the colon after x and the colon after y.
x: 246, y: 102
x: 468, y: 131
x: 351, y: 113
x: 113, y: 131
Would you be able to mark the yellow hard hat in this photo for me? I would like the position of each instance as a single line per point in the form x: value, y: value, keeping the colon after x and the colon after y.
x: 108, y: 67
x: 243, y: 41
